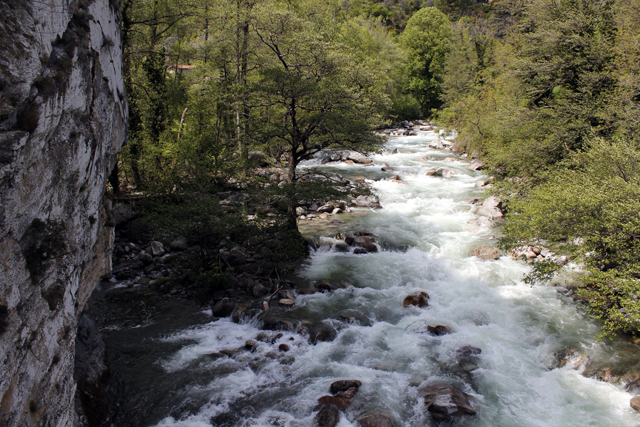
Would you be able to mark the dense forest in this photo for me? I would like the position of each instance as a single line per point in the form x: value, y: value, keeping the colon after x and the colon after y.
x: 545, y: 92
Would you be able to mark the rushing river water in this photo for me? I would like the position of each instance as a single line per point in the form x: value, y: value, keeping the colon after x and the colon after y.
x: 180, y: 378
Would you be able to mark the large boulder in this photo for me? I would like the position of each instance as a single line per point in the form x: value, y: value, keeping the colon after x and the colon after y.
x: 359, y: 158
x: 340, y: 402
x: 438, y: 330
x: 468, y: 357
x: 367, y: 243
x: 157, y: 248
x: 475, y: 165
x: 344, y: 385
x: 366, y: 202
x: 328, y: 416
x: 443, y: 172
x: 485, y: 252
x: 445, y: 402
x: 418, y: 299
x: 492, y: 208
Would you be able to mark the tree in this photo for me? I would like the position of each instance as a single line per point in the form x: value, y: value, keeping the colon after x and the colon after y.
x: 312, y: 93
x: 426, y: 39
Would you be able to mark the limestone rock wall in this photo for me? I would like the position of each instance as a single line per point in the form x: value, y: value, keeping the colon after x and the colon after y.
x: 62, y: 119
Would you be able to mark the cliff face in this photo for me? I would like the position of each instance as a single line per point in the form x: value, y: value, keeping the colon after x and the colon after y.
x: 62, y: 119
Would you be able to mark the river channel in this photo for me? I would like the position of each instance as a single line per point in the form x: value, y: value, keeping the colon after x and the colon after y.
x: 181, y: 376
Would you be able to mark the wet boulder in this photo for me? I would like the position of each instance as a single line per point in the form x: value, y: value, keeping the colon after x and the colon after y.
x: 418, y: 299
x: 328, y: 416
x: 441, y: 172
x: 438, y: 330
x: 635, y: 403
x: 223, y: 308
x: 367, y: 243
x: 366, y: 202
x: 485, y: 252
x: 344, y: 385
x: 376, y: 420
x: 339, y: 402
x: 571, y: 358
x: 286, y: 302
x: 468, y: 358
x: 445, y: 402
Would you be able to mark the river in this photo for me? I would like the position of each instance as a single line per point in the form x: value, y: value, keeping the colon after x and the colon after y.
x: 181, y: 375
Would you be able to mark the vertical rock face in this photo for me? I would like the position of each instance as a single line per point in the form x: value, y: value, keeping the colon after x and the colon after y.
x: 62, y: 119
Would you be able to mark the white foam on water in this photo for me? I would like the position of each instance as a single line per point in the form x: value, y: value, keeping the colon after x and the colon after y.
x: 485, y: 303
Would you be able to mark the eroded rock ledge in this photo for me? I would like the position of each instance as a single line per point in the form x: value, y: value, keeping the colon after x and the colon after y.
x: 62, y: 119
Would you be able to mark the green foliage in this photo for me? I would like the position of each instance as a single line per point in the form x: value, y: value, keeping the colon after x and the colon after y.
x: 590, y: 207
x: 426, y: 41
x: 541, y: 271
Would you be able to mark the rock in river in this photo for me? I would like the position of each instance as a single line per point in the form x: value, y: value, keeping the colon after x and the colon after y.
x: 376, y: 420
x: 438, y: 330
x: 485, y: 252
x: 445, y: 402
x: 344, y: 385
x: 419, y: 298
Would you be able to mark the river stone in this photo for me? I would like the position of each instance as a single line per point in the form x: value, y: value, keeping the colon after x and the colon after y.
x: 329, y: 207
x: 434, y: 172
x: 328, y: 416
x: 359, y: 158
x: 485, y: 252
x: 635, y: 403
x: 348, y: 394
x: 475, y: 165
x: 418, y: 298
x: 445, y: 402
x: 484, y: 221
x: 439, y: 330
x: 450, y: 159
x: 388, y: 169
x: 283, y: 347
x: 436, y: 144
x: 376, y: 420
x: 448, y: 173
x: 366, y: 202
x: 259, y: 290
x: 341, y: 246
x: 344, y: 385
x: 341, y: 403
x: 492, y: 207
x: 395, y: 151
x: 239, y: 311
x: 286, y: 302
x: 223, y: 308
x: 157, y: 248
x: 145, y: 258
x: 468, y: 357
x: 368, y: 243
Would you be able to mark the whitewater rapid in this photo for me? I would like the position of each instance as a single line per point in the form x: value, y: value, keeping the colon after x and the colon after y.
x: 426, y: 223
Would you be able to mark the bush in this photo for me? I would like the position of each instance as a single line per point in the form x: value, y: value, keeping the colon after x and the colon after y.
x: 590, y: 209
